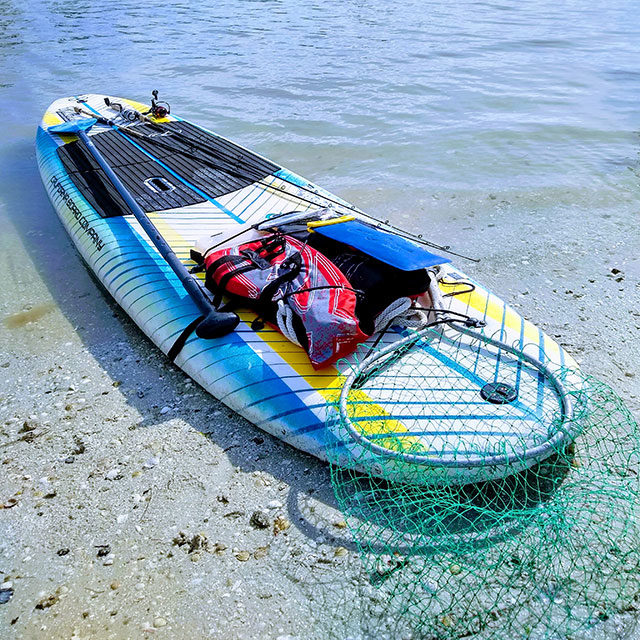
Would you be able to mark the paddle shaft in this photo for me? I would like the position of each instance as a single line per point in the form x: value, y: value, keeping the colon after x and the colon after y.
x: 190, y: 285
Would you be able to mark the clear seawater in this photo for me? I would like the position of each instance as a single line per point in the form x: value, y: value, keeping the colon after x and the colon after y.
x: 446, y: 117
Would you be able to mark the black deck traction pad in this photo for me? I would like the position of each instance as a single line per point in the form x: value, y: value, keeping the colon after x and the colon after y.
x: 225, y: 167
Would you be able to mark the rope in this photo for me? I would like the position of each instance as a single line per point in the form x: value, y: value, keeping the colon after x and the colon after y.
x: 395, y: 310
x: 402, y: 313
x: 284, y: 319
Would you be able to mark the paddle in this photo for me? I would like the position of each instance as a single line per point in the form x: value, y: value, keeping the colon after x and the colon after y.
x: 213, y: 323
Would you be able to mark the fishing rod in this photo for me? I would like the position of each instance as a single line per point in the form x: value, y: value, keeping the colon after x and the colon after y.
x: 259, y: 178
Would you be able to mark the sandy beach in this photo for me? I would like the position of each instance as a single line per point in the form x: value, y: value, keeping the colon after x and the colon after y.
x: 134, y: 503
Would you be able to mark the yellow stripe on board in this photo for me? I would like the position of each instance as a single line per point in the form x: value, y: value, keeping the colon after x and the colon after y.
x: 360, y: 405
x: 370, y: 419
x: 495, y: 308
x: 49, y: 119
x: 169, y: 233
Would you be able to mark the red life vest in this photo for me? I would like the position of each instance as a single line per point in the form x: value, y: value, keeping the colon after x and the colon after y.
x: 280, y: 270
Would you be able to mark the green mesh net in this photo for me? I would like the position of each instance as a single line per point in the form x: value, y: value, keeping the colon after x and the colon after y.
x: 497, y: 541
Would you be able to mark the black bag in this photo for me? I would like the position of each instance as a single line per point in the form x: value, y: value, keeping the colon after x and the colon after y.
x: 379, y: 283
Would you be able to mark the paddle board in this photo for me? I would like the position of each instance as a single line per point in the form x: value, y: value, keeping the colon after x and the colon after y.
x: 260, y: 374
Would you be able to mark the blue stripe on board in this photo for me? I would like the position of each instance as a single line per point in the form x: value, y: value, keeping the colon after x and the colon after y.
x: 452, y: 364
x: 236, y: 205
x: 271, y: 397
x: 418, y: 402
x: 262, y: 190
x: 407, y: 434
x: 289, y: 176
x: 311, y: 422
x: 472, y: 377
x: 131, y: 274
x: 260, y: 193
x: 421, y: 389
x: 335, y: 446
x: 541, y: 378
x: 183, y: 180
x: 310, y: 428
x: 119, y: 263
x: 289, y: 412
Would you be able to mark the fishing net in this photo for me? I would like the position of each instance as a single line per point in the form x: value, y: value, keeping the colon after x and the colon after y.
x: 465, y: 532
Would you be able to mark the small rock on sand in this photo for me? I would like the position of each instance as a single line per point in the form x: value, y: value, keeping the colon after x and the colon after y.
x: 6, y: 593
x: 259, y: 520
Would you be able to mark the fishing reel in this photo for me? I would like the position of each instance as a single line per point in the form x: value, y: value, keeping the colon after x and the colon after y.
x: 159, y: 108
x: 127, y: 113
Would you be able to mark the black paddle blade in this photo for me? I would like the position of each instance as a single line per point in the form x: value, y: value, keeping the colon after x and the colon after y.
x: 216, y: 325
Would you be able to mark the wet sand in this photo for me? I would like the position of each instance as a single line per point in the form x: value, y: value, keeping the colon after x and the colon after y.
x: 130, y: 495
